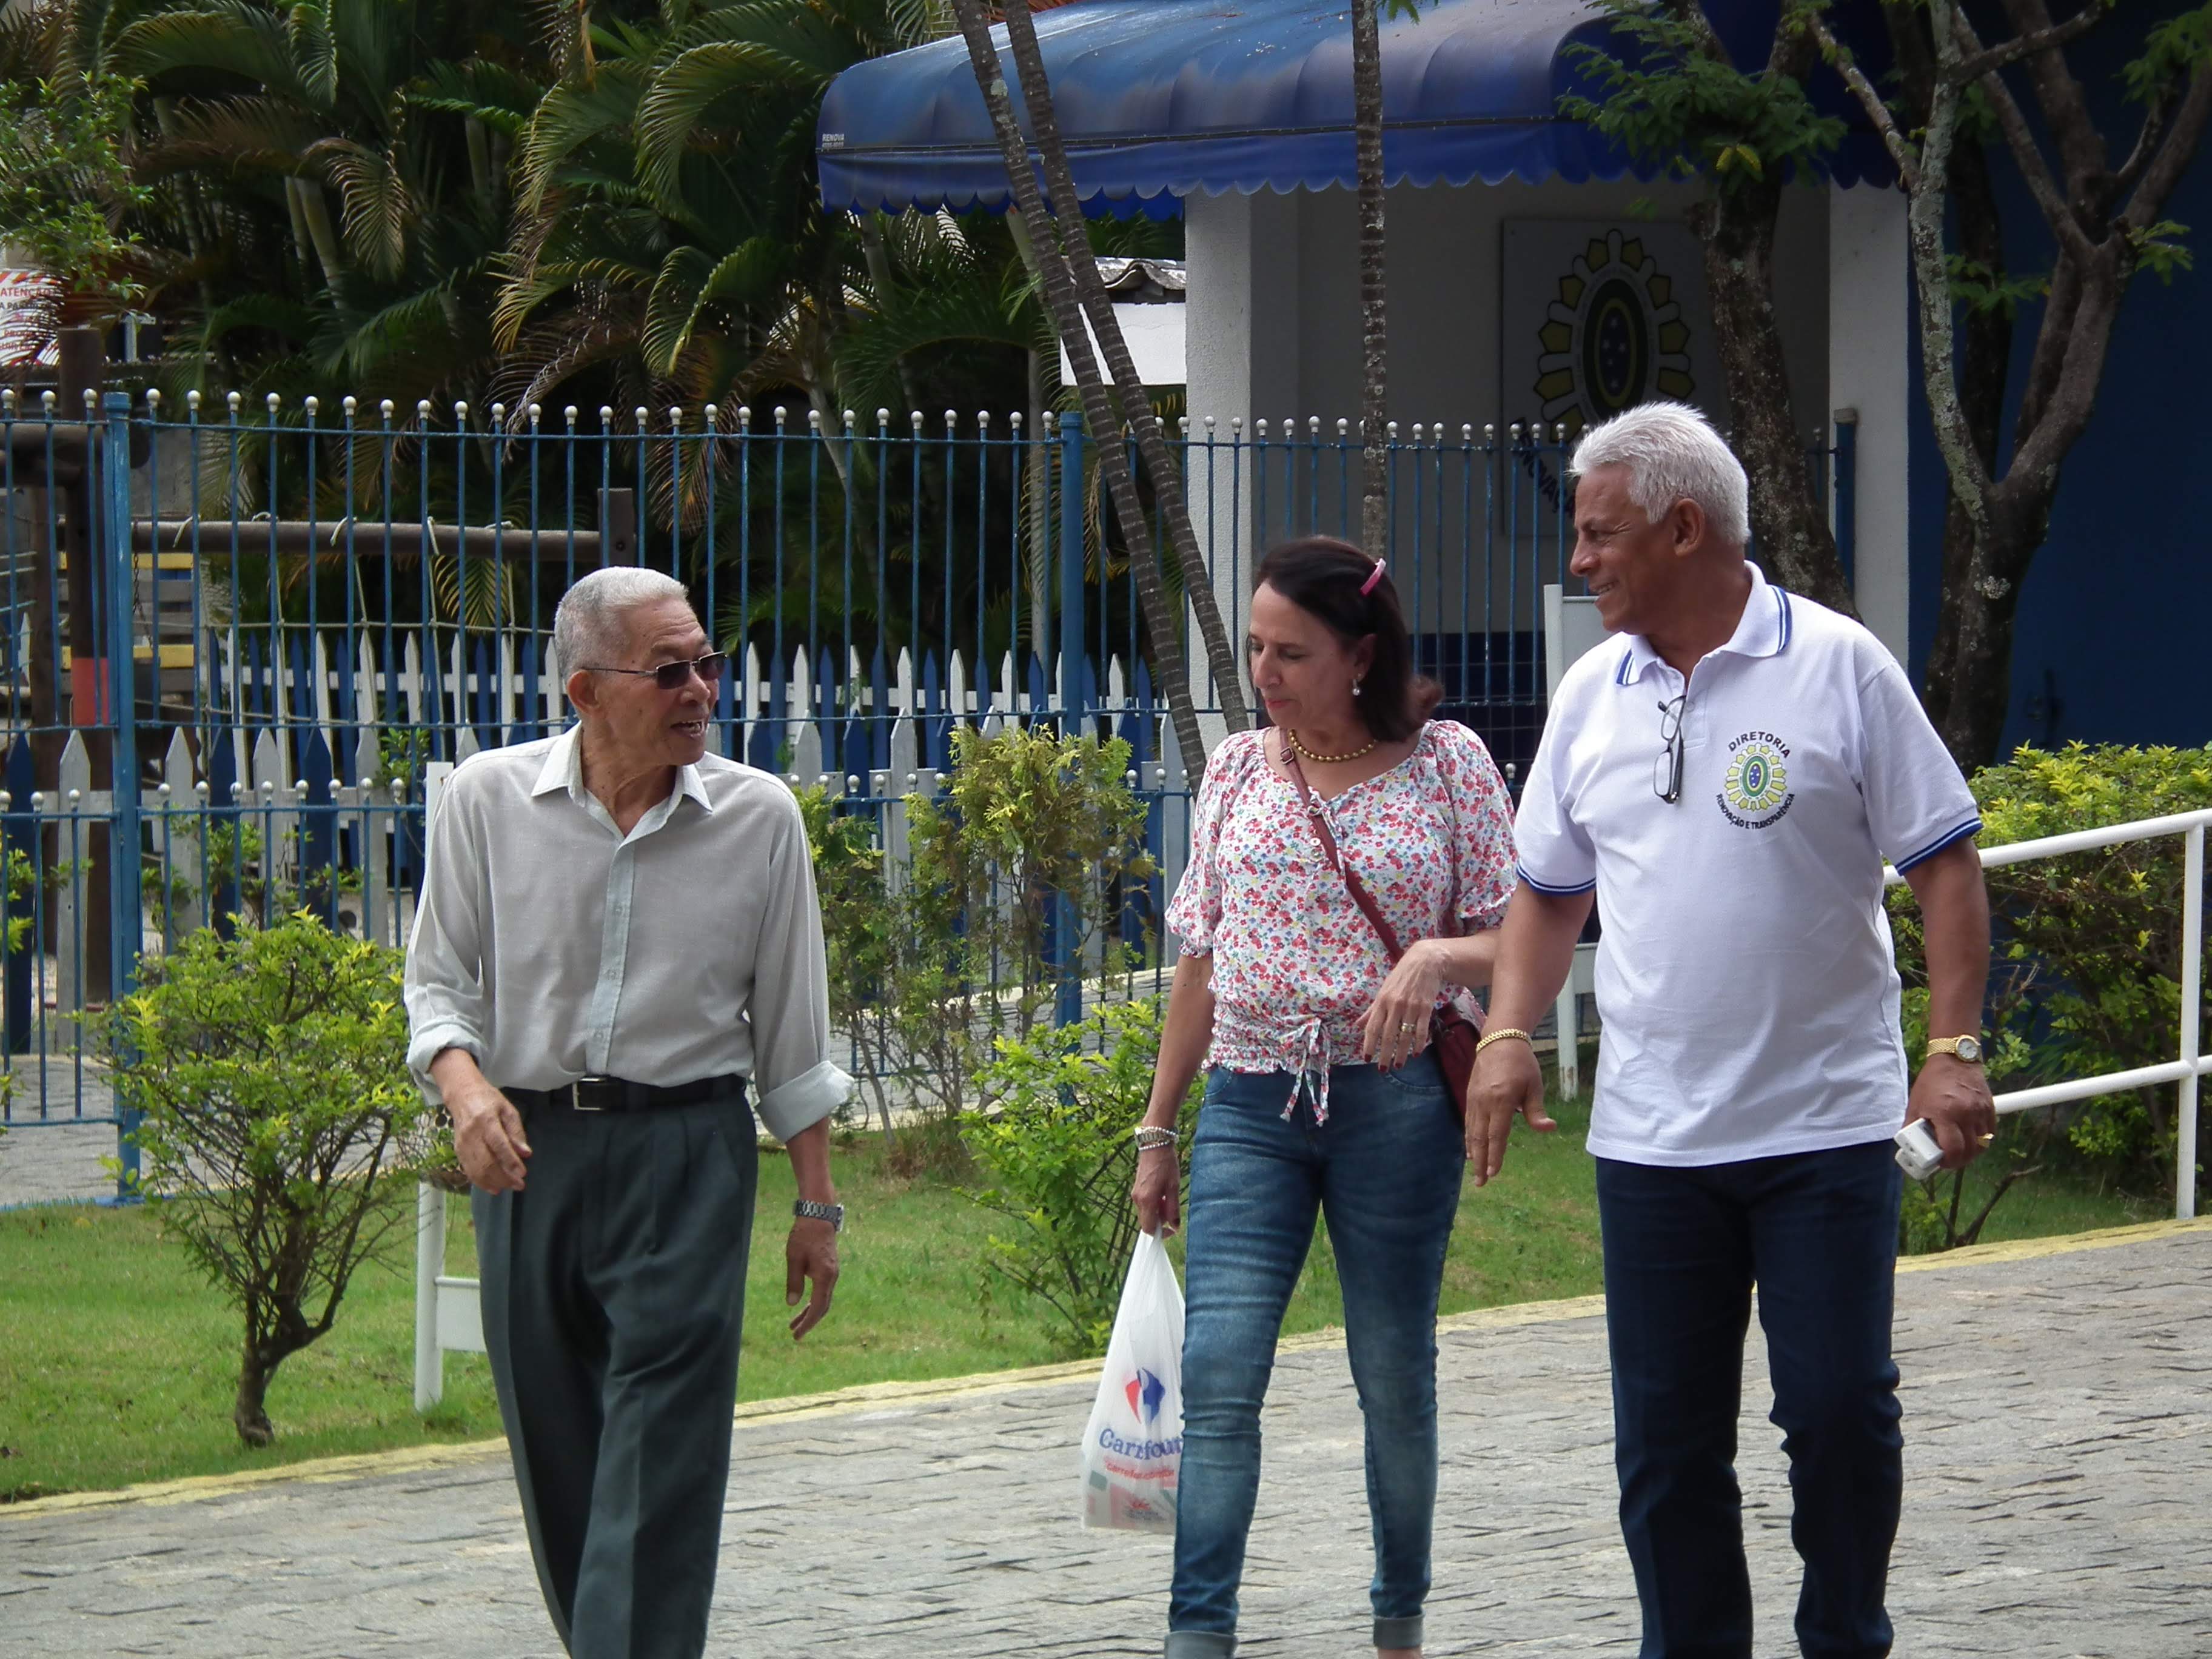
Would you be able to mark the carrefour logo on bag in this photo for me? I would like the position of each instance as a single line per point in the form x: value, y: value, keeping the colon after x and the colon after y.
x: 1145, y: 1392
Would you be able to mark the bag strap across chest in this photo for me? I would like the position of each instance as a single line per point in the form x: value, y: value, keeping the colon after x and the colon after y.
x: 1353, y: 886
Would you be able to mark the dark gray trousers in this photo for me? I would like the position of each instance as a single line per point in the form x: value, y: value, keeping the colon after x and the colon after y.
x: 613, y: 1294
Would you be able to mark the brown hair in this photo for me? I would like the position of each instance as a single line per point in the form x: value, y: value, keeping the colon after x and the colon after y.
x: 1322, y: 576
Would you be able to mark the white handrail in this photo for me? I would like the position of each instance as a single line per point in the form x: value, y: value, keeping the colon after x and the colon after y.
x: 2191, y: 1063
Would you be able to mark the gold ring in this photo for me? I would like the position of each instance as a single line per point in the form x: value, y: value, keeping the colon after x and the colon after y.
x: 1407, y: 1025
x: 1983, y: 1140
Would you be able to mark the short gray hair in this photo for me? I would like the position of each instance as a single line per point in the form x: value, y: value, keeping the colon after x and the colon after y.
x: 1673, y: 454
x: 587, y: 623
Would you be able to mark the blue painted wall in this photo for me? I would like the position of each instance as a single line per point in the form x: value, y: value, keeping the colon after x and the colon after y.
x: 2112, y: 644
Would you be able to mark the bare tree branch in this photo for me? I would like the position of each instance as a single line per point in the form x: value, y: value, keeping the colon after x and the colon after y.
x: 1900, y: 148
x: 1993, y: 58
x: 2020, y: 139
x: 2084, y: 347
x: 2065, y: 106
x: 2182, y: 140
x: 2156, y: 114
x: 1925, y: 216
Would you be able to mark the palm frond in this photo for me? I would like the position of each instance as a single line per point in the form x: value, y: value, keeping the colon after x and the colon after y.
x: 376, y: 207
x: 253, y: 134
x: 315, y: 52
x: 500, y: 97
x: 672, y: 306
x: 231, y: 36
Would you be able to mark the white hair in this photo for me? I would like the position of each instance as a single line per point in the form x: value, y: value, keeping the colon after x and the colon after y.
x: 1673, y: 454
x: 587, y: 624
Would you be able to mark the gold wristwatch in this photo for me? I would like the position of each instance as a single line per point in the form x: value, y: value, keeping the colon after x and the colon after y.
x: 1968, y: 1049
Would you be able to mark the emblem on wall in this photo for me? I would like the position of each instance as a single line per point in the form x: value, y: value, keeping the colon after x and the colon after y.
x: 1613, y: 338
x: 1599, y: 318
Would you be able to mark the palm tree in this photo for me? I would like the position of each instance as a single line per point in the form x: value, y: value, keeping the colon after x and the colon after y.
x: 1374, y: 325
x: 379, y: 132
x: 1076, y: 293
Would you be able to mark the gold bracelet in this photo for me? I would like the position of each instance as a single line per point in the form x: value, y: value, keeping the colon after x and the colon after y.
x: 1500, y: 1035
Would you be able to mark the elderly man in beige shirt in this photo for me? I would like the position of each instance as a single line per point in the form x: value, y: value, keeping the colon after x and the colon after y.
x: 618, y: 944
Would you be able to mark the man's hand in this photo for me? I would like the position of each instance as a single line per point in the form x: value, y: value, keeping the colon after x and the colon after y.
x: 1954, y: 1098
x: 488, y: 1135
x: 1507, y: 1080
x: 810, y: 1253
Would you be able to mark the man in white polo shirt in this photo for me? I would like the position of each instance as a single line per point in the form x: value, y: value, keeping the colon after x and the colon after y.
x: 1725, y: 779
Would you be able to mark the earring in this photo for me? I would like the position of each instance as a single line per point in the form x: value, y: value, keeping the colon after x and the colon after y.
x: 1355, y: 688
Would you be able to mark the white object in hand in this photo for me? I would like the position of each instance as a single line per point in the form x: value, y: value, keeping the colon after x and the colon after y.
x: 1918, y: 1153
x: 1133, y: 1446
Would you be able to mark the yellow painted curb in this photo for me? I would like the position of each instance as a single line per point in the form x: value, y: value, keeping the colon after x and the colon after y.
x: 312, y: 1471
x: 892, y: 1396
x: 2027, y: 1249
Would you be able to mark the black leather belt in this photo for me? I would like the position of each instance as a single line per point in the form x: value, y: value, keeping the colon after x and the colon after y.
x: 616, y: 1094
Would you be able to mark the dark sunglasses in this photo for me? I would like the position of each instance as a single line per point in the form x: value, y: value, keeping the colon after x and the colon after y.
x: 674, y: 676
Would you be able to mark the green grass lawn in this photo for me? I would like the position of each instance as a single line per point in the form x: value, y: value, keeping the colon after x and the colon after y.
x: 118, y: 1364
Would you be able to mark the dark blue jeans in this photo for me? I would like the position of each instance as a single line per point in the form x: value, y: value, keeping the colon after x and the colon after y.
x: 1385, y: 1172
x: 1817, y: 1231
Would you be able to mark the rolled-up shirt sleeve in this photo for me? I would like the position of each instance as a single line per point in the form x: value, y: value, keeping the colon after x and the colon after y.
x: 797, y: 1083
x: 443, y: 987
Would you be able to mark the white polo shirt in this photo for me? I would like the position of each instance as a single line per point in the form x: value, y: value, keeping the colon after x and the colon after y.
x: 1745, y: 975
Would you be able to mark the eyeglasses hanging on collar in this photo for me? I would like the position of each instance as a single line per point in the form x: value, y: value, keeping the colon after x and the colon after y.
x: 1667, y: 770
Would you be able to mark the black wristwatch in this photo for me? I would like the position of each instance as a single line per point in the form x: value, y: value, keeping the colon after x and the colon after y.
x: 807, y: 1210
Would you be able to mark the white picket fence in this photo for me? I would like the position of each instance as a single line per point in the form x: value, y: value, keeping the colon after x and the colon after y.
x: 452, y: 696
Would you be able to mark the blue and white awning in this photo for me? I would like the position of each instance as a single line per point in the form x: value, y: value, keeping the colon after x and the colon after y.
x: 1161, y: 99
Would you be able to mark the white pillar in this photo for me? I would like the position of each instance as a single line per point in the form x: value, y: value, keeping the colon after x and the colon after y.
x: 429, y: 1263
x: 1241, y: 349
x: 1871, y: 341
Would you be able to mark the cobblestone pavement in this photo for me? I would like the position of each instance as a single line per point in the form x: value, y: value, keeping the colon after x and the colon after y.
x: 2058, y: 1466
x: 56, y: 1162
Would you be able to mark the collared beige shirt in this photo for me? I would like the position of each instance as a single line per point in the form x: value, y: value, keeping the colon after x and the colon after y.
x: 552, y: 946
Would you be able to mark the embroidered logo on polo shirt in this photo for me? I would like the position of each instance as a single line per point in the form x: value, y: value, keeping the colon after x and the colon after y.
x: 1755, y: 790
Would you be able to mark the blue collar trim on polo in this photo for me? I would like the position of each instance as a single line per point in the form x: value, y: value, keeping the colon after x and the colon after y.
x: 564, y: 769
x: 1763, y: 631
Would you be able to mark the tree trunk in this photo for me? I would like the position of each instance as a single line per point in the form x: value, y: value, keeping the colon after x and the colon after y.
x: 249, y: 1412
x: 1090, y: 291
x: 314, y: 213
x: 877, y: 253
x: 1374, y: 323
x: 1984, y: 360
x: 1037, y: 463
x: 1736, y: 227
x: 1054, y: 265
x: 1996, y: 525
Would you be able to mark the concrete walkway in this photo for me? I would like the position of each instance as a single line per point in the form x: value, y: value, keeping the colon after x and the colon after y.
x: 2058, y: 1404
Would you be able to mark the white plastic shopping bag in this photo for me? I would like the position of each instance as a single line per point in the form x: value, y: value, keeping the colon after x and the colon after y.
x: 1133, y: 1448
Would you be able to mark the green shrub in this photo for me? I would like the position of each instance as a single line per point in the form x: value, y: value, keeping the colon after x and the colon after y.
x: 925, y: 971
x: 269, y: 1070
x: 2086, y: 976
x: 1053, y: 1143
x: 858, y: 925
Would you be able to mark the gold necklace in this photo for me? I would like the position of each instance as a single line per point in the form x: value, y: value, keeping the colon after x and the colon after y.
x: 1326, y: 760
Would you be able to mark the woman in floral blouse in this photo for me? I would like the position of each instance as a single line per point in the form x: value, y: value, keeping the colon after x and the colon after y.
x: 1321, y: 1094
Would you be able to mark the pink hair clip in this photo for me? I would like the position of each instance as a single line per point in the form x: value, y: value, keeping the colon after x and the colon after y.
x: 1373, y: 577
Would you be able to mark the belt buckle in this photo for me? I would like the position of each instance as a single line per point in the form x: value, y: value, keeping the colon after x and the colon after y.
x: 576, y: 1094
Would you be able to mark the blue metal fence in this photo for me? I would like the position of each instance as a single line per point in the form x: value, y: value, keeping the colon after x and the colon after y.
x: 302, y: 607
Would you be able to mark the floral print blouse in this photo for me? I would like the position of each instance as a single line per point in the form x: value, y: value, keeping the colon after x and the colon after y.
x: 1295, y: 961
